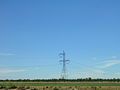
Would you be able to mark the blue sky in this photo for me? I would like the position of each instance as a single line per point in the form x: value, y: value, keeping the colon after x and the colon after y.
x: 34, y: 32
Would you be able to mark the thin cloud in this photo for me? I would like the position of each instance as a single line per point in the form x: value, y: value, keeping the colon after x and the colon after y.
x: 6, y: 54
x: 114, y: 57
x: 108, y: 64
x: 6, y: 70
x: 98, y: 70
x: 91, y: 72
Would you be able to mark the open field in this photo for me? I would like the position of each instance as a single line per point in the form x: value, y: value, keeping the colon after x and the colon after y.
x: 60, y: 85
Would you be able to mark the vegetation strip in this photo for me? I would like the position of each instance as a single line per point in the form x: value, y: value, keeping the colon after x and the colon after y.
x: 56, y: 84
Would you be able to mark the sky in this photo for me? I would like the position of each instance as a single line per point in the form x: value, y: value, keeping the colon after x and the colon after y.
x: 34, y: 32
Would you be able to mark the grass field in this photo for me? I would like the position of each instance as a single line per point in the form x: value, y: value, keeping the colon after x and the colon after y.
x: 62, y: 85
x: 59, y: 84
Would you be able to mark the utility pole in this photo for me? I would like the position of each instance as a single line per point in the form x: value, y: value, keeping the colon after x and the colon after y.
x: 64, y: 62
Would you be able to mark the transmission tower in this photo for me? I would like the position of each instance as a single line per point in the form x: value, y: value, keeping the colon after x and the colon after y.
x: 64, y: 62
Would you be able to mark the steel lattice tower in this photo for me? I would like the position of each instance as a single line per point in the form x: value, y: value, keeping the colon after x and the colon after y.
x: 64, y: 62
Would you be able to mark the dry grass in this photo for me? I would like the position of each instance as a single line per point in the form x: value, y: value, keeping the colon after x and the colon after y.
x: 77, y: 88
x: 58, y: 86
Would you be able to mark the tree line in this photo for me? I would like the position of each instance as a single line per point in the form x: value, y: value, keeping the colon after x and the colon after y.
x: 64, y: 80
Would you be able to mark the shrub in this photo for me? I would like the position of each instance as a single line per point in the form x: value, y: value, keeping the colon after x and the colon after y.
x: 12, y: 87
x: 55, y: 88
x: 21, y: 88
x: 34, y: 89
x: 2, y: 87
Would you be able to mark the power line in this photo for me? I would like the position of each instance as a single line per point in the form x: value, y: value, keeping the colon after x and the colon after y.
x: 64, y: 61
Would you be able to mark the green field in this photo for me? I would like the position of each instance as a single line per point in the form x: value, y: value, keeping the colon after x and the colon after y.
x: 59, y: 84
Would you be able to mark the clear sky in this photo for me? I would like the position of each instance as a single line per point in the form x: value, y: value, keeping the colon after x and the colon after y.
x: 34, y: 32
